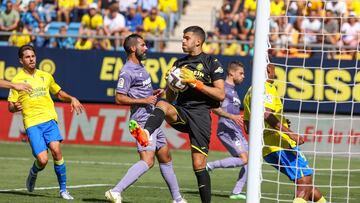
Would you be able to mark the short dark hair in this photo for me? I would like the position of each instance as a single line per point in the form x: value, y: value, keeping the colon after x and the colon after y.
x: 130, y: 41
x: 198, y: 31
x: 24, y: 48
x: 233, y: 65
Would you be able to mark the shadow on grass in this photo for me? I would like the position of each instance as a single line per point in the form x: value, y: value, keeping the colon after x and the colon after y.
x: 195, y: 193
x: 98, y: 200
x: 22, y: 193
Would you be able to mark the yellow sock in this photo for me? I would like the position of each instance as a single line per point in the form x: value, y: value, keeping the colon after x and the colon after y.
x: 321, y: 200
x: 299, y: 200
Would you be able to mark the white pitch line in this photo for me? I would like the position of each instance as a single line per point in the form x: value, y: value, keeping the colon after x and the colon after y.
x: 145, y: 187
x: 130, y: 164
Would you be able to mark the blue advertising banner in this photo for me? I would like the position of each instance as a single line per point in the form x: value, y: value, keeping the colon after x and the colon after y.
x: 92, y: 77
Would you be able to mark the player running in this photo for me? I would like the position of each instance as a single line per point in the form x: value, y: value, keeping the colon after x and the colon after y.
x: 281, y: 144
x: 191, y: 113
x: 40, y: 118
x: 229, y: 129
x: 134, y: 89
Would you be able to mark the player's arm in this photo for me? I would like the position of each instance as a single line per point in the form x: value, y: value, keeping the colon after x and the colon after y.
x: 276, y: 124
x: 238, y: 119
x: 125, y: 100
x: 75, y: 104
x: 16, y: 86
x: 170, y: 95
x: 14, y: 107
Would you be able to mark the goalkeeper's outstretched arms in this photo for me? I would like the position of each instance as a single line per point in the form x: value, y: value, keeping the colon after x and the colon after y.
x: 276, y: 124
x: 217, y: 92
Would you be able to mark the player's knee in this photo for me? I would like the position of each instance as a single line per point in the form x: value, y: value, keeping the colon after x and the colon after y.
x: 42, y: 161
x: 149, y: 162
x: 244, y: 158
x: 199, y: 164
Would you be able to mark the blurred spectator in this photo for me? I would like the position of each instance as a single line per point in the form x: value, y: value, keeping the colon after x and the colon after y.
x: 330, y: 28
x: 81, y: 7
x: 104, y: 6
x: 315, y: 5
x: 355, y: 6
x: 154, y: 26
x: 234, y: 5
x: 31, y: 18
x: 312, y: 27
x: 210, y: 47
x: 249, y: 48
x: 277, y: 8
x: 231, y: 48
x: 244, y: 26
x: 21, y: 39
x: 9, y: 19
x: 84, y: 42
x: 114, y: 24
x: 103, y: 43
x: 40, y: 40
x: 133, y: 19
x: 4, y: 2
x: 62, y: 41
x: 338, y: 7
x: 125, y: 4
x: 250, y: 5
x: 144, y: 6
x: 65, y: 7
x: 168, y: 10
x: 92, y: 20
x: 350, y: 31
x: 48, y: 10
x: 23, y: 5
x: 225, y: 27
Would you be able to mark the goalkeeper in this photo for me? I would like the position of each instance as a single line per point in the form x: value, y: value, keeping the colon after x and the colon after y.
x: 281, y: 144
x: 191, y: 113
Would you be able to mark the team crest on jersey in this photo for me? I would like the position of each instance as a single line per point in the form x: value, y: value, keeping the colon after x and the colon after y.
x: 121, y: 83
x: 200, y: 67
x: 219, y: 70
x: 268, y: 98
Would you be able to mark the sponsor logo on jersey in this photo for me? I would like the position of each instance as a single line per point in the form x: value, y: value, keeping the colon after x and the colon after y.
x: 121, y: 83
x: 219, y: 70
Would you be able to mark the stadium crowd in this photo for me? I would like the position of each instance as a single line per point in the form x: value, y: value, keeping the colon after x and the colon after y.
x: 36, y: 18
x: 296, y: 27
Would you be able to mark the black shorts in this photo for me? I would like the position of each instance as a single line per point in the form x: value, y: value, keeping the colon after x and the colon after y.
x: 197, y: 123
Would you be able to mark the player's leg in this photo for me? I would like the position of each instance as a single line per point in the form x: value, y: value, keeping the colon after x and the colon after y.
x: 146, y: 162
x: 39, y: 151
x: 53, y: 138
x: 167, y: 172
x: 163, y: 110
x: 236, y: 147
x: 202, y: 175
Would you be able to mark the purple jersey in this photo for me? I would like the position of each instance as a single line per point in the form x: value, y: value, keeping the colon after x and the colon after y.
x: 231, y: 104
x: 135, y: 82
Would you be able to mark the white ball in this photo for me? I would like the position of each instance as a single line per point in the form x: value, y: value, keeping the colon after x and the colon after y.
x: 174, y: 80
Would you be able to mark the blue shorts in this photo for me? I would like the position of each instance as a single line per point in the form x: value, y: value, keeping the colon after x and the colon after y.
x: 292, y: 163
x: 41, y: 135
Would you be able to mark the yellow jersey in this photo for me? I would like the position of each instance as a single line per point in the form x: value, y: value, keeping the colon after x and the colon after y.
x: 159, y: 24
x: 274, y: 140
x: 92, y: 22
x: 38, y: 107
x: 85, y: 46
x: 19, y: 40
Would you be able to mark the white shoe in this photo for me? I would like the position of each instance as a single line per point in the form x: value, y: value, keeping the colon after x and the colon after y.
x: 182, y: 201
x: 30, y: 181
x: 66, y: 195
x: 114, y: 197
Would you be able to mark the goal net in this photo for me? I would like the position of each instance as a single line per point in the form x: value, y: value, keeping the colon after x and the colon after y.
x: 314, y: 46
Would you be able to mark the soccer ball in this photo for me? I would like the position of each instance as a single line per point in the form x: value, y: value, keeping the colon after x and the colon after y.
x: 174, y: 80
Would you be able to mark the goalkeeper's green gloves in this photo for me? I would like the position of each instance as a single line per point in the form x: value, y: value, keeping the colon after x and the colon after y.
x: 188, y: 77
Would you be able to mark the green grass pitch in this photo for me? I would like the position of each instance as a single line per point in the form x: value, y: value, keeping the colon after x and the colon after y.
x: 92, y: 170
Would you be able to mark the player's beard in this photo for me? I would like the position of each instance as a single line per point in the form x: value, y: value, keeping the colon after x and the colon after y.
x: 140, y: 56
